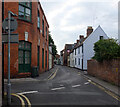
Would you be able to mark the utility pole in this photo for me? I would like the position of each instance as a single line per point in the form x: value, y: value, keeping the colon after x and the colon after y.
x: 9, y: 84
x: 9, y: 24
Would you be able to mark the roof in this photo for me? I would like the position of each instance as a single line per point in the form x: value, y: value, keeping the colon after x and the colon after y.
x: 99, y: 27
x: 69, y: 46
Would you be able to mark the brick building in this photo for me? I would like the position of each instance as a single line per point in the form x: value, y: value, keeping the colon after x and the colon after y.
x: 67, y: 49
x: 32, y: 49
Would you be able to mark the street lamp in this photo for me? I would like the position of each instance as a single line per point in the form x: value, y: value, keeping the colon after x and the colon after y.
x: 9, y: 84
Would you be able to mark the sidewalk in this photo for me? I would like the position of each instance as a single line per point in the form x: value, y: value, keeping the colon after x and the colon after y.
x: 113, y: 88
x: 41, y: 78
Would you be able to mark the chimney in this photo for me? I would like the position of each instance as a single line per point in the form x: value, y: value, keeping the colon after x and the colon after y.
x: 81, y: 37
x: 89, y: 30
x: 77, y: 41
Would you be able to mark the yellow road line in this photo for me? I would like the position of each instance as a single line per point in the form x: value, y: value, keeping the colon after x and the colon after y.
x: 53, y: 75
x: 22, y: 101
x: 28, y: 101
x: 107, y: 91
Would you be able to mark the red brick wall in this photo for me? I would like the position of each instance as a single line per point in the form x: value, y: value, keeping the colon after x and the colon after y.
x: 33, y: 36
x: 108, y: 70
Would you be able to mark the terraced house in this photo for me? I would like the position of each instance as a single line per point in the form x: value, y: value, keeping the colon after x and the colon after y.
x: 32, y: 50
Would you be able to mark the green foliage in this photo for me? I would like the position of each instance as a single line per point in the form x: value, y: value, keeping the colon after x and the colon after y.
x: 106, y: 50
x: 54, y: 50
x: 50, y: 39
x: 51, y: 42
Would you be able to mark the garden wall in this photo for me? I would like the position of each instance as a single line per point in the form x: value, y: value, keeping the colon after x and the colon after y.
x: 107, y: 70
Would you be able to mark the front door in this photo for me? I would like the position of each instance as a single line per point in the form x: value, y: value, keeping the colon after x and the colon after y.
x: 24, y: 57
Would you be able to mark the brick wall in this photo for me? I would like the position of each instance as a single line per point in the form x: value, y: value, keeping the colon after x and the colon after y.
x: 108, y: 70
x: 34, y: 35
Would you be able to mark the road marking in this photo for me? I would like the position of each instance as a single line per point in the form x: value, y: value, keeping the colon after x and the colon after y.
x: 58, y: 88
x: 53, y: 75
x: 89, y: 80
x: 28, y: 101
x: 76, y: 86
x: 107, y: 91
x: 86, y: 83
x: 29, y: 92
x: 61, y: 85
x: 22, y: 101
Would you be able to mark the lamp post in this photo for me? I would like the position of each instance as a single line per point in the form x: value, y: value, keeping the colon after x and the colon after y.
x: 9, y: 84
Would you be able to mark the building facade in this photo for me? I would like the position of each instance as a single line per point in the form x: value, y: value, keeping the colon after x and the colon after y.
x: 61, y: 57
x: 67, y: 50
x: 33, y: 48
x: 50, y: 58
x: 72, y: 59
x: 84, y: 51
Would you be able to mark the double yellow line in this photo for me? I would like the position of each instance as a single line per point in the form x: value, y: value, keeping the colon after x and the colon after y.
x: 53, y: 75
x: 107, y: 91
x: 19, y: 96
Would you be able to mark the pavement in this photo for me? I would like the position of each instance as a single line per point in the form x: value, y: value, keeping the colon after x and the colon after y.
x: 113, y: 88
x: 44, y: 76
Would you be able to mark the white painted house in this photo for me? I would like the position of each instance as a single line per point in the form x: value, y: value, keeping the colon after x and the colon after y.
x: 84, y: 51
x: 50, y: 57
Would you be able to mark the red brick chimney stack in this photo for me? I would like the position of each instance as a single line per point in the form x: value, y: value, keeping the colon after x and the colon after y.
x: 77, y: 41
x: 89, y: 30
x: 81, y: 37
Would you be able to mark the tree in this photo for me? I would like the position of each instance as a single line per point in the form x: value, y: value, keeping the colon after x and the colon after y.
x: 51, y: 42
x: 106, y: 50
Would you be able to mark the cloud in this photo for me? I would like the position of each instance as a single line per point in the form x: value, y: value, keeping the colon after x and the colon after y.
x: 68, y: 19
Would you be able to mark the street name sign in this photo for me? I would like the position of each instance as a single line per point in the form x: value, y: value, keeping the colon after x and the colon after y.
x: 14, y: 38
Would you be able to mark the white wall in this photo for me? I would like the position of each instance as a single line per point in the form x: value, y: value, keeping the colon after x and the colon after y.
x: 72, y: 59
x: 88, y: 45
x: 50, y: 57
x: 61, y: 60
x: 50, y: 61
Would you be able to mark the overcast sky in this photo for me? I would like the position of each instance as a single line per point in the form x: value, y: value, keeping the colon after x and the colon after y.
x: 69, y: 18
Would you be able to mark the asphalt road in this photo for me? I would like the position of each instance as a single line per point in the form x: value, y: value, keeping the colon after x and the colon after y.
x: 65, y: 86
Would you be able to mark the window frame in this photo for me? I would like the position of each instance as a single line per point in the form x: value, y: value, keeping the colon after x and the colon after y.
x: 42, y: 27
x: 46, y: 32
x: 38, y: 21
x: 24, y: 5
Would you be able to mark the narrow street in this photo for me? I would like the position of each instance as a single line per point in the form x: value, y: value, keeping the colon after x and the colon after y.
x: 66, y: 86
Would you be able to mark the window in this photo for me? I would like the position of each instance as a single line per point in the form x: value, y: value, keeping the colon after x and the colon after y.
x: 46, y: 32
x: 78, y: 61
x: 101, y: 37
x: 42, y: 27
x: 38, y: 25
x: 24, y: 58
x: 25, y: 10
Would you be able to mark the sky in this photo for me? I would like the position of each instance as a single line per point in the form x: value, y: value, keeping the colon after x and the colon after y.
x: 70, y: 18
